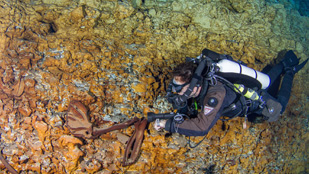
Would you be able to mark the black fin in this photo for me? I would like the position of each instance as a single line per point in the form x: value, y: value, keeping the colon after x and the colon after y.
x: 300, y: 66
x: 290, y: 59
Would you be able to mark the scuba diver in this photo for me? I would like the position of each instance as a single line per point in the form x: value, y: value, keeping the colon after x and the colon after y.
x: 220, y: 86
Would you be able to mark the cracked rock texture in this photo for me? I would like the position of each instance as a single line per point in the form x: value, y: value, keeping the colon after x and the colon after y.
x: 115, y: 57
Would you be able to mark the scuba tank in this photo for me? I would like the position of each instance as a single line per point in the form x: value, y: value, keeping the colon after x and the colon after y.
x: 235, y: 72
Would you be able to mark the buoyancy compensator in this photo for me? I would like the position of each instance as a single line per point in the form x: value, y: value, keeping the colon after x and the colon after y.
x: 213, y: 66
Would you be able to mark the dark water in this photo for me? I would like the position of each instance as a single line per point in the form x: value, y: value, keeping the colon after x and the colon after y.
x: 302, y: 6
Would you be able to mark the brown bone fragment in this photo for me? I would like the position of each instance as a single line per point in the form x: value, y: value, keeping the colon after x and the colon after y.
x: 7, y: 165
x: 77, y: 120
x: 97, y: 131
x: 79, y: 125
x: 134, y: 145
x: 18, y: 88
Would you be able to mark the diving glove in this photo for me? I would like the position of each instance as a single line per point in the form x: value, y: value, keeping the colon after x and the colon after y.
x: 159, y: 124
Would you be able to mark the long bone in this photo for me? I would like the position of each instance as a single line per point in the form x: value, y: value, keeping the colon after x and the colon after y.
x: 99, y: 131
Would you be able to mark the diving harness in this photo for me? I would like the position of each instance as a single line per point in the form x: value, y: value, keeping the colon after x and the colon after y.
x: 210, y: 70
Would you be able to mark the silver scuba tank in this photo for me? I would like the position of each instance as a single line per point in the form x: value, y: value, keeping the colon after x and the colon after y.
x: 235, y: 69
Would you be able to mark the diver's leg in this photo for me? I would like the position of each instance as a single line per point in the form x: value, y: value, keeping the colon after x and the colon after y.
x: 290, y: 60
x: 285, y: 90
x: 286, y: 86
x: 275, y: 72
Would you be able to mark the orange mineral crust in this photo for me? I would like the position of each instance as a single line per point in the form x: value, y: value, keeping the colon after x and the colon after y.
x: 115, y: 58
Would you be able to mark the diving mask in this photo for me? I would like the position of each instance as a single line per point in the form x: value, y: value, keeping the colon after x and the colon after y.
x: 176, y: 87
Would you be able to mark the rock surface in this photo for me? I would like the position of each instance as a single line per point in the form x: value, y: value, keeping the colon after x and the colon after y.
x: 115, y: 57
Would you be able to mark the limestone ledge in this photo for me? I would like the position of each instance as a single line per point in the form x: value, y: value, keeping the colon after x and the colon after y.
x: 115, y: 57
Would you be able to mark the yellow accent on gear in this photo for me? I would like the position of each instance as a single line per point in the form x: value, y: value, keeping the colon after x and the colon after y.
x: 251, y: 94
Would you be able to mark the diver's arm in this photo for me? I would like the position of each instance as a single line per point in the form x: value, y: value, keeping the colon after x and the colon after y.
x: 206, y: 119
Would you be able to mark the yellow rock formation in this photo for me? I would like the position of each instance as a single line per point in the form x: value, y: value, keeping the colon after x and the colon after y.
x: 116, y: 57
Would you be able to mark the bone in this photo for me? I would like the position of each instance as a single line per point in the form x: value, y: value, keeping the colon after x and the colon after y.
x: 134, y: 145
x: 79, y: 125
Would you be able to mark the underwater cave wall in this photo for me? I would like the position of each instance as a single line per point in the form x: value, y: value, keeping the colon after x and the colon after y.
x: 115, y: 57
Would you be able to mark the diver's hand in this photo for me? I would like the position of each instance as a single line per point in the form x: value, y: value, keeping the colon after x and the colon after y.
x: 196, y: 91
x: 159, y: 124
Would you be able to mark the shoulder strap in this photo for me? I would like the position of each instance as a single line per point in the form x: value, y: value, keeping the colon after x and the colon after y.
x: 203, y: 92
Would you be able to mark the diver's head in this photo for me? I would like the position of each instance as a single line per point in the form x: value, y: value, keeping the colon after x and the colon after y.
x: 182, y: 75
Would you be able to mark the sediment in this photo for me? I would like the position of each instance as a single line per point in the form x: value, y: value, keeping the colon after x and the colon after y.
x: 116, y: 58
